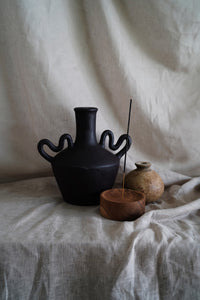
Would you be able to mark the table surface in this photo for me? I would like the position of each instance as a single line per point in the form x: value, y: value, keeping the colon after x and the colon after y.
x: 50, y: 249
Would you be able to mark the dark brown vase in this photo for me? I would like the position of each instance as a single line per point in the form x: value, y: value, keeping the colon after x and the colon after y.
x: 85, y: 168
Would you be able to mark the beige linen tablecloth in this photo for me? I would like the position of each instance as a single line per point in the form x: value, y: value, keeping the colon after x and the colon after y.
x: 53, y: 250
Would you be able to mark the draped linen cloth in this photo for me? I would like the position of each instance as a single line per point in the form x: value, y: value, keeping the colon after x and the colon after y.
x: 57, y: 55
x: 53, y: 250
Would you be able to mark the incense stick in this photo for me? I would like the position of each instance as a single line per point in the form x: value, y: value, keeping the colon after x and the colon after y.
x: 124, y: 171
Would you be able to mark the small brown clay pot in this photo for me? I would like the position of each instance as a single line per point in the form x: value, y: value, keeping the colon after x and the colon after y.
x: 145, y: 180
x: 119, y: 206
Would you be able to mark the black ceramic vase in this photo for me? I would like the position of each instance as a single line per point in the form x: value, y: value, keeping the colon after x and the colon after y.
x: 85, y: 168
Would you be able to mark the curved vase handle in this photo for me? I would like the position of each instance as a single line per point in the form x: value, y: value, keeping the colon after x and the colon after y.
x: 113, y: 146
x: 53, y: 147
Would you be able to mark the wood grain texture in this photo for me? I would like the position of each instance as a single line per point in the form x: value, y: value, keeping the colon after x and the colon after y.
x: 113, y: 207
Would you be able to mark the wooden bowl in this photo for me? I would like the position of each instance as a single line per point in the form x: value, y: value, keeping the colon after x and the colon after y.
x: 113, y: 207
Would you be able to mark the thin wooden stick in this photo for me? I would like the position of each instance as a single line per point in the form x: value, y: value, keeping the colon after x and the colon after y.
x: 124, y: 171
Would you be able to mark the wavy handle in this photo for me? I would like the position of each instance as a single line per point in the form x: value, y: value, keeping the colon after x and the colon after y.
x: 112, y: 146
x: 53, y: 147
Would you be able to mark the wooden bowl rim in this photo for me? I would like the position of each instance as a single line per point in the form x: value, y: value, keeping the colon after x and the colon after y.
x: 143, y: 197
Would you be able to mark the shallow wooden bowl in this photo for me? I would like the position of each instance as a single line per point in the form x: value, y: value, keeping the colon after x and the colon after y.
x: 128, y: 208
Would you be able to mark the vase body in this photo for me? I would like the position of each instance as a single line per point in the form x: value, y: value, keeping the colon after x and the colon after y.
x: 145, y: 180
x: 85, y: 168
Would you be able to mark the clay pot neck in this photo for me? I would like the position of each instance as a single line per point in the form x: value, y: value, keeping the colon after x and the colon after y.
x: 143, y: 165
x: 85, y: 126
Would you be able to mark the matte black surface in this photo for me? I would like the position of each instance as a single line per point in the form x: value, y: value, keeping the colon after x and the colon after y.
x: 85, y: 168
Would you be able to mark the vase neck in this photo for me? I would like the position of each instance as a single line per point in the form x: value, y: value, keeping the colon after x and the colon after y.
x: 85, y: 126
x: 143, y: 165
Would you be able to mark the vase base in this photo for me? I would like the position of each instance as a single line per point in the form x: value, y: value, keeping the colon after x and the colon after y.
x: 83, y: 202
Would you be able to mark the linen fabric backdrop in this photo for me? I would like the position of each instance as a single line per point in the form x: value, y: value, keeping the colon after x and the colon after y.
x: 57, y: 55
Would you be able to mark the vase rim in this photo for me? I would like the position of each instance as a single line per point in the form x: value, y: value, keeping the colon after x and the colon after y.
x: 143, y: 164
x: 86, y: 108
